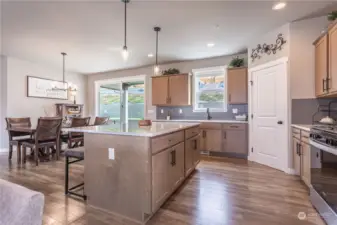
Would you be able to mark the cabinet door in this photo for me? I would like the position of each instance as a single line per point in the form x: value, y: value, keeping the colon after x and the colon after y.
x: 296, y: 157
x: 179, y: 90
x: 213, y: 140
x: 237, y: 85
x: 196, y: 151
x: 160, y: 185
x: 176, y: 165
x: 160, y: 90
x: 235, y: 141
x: 333, y: 59
x: 189, y: 156
x: 321, y: 65
x: 305, y: 163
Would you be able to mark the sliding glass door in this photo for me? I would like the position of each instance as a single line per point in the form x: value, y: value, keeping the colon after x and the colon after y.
x: 123, y: 103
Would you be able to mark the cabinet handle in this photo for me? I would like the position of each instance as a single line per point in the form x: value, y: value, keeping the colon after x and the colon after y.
x: 327, y: 81
x: 225, y: 135
x: 297, y: 149
x: 173, y: 157
x: 234, y: 126
x: 229, y: 97
x: 195, y: 144
x: 203, y: 133
x: 317, y: 155
x: 323, y: 85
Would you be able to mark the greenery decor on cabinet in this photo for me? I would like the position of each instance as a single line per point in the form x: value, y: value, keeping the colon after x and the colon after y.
x: 171, y: 71
x: 332, y: 16
x: 236, y: 62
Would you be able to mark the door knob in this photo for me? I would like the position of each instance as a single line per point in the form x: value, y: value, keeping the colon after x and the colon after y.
x: 279, y: 122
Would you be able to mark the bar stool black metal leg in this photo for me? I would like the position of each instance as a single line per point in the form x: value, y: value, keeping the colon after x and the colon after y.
x: 67, y: 176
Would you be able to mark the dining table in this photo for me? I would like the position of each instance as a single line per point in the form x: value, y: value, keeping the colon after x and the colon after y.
x: 30, y: 130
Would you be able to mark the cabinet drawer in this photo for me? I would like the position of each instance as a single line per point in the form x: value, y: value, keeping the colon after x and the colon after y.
x: 296, y: 133
x: 192, y: 132
x: 166, y: 141
x: 215, y: 126
x: 305, y: 136
x: 236, y: 126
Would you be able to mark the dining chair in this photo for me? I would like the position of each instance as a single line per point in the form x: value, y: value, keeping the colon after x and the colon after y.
x: 76, y: 139
x: 47, y: 136
x: 101, y: 121
x: 16, y: 138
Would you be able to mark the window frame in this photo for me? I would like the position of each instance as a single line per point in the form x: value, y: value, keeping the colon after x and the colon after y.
x: 204, y: 72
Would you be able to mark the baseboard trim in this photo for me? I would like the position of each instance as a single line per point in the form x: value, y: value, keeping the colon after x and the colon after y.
x: 290, y: 171
x: 3, y: 150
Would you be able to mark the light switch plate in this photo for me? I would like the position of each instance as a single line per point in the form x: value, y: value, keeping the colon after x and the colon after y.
x: 180, y: 111
x: 235, y: 111
x: 111, y: 153
x: 162, y: 111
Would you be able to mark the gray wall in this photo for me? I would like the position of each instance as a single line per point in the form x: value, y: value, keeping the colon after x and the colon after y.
x: 304, y: 109
x: 187, y: 113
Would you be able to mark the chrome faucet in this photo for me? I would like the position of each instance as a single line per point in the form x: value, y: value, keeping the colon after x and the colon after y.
x: 208, y: 114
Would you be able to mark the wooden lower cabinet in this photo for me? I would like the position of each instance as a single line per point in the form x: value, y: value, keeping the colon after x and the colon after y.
x: 235, y: 141
x: 301, y: 157
x: 296, y: 156
x: 305, y: 163
x: 192, y: 153
x: 160, y: 183
x: 176, y: 167
x: 211, y: 140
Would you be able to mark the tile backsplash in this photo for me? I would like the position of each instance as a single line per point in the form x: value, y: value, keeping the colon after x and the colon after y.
x: 187, y: 112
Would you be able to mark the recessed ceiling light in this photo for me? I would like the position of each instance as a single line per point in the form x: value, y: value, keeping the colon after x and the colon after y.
x: 210, y: 45
x: 280, y: 5
x: 150, y: 55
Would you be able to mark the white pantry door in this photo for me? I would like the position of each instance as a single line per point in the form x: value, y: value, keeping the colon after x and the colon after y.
x: 269, y: 99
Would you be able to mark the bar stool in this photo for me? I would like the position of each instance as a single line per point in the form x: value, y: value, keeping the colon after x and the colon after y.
x: 78, y: 155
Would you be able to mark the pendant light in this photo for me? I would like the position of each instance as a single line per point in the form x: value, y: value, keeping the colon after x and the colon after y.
x: 66, y: 87
x: 156, y: 66
x: 125, y: 53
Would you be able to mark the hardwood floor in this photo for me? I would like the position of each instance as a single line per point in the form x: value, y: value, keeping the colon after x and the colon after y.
x: 220, y: 192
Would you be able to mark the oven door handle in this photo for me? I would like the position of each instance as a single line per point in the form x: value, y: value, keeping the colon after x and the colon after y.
x: 323, y: 147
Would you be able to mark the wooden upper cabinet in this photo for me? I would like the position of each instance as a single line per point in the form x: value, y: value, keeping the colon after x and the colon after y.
x: 333, y: 58
x: 160, y: 87
x: 321, y: 65
x: 237, y: 85
x: 173, y: 90
x: 179, y: 90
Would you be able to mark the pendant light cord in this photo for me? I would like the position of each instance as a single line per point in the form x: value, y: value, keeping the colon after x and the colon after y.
x: 125, y: 2
x: 157, y: 48
x: 64, y: 62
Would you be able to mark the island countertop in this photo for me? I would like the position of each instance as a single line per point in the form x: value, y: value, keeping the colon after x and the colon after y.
x: 156, y: 129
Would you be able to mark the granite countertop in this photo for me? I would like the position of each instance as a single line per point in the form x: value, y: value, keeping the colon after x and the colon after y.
x: 305, y: 127
x: 156, y: 129
x: 203, y: 121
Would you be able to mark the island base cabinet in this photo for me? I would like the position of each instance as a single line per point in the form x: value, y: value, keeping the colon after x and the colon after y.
x: 160, y: 166
x: 176, y: 170
x: 192, y: 153
x: 168, y: 171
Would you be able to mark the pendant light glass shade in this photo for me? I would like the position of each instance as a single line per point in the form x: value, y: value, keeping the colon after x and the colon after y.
x: 156, y: 70
x: 125, y: 53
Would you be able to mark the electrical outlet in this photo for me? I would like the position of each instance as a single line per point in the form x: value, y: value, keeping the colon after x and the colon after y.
x: 111, y: 153
x: 162, y: 111
x: 180, y: 111
x: 235, y: 111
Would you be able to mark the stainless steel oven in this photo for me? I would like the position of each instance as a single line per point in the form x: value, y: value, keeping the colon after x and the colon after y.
x: 323, y: 189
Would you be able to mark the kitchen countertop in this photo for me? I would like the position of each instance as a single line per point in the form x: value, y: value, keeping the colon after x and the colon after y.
x: 156, y: 129
x: 203, y: 121
x: 305, y: 127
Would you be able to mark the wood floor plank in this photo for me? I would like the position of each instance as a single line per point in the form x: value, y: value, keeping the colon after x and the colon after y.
x: 219, y: 192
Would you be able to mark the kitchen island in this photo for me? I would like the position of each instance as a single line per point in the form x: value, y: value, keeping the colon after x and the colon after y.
x: 131, y: 172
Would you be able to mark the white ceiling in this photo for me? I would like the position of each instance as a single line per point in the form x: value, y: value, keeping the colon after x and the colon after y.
x: 92, y: 32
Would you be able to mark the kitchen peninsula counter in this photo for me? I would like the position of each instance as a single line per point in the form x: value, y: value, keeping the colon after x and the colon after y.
x: 130, y: 172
